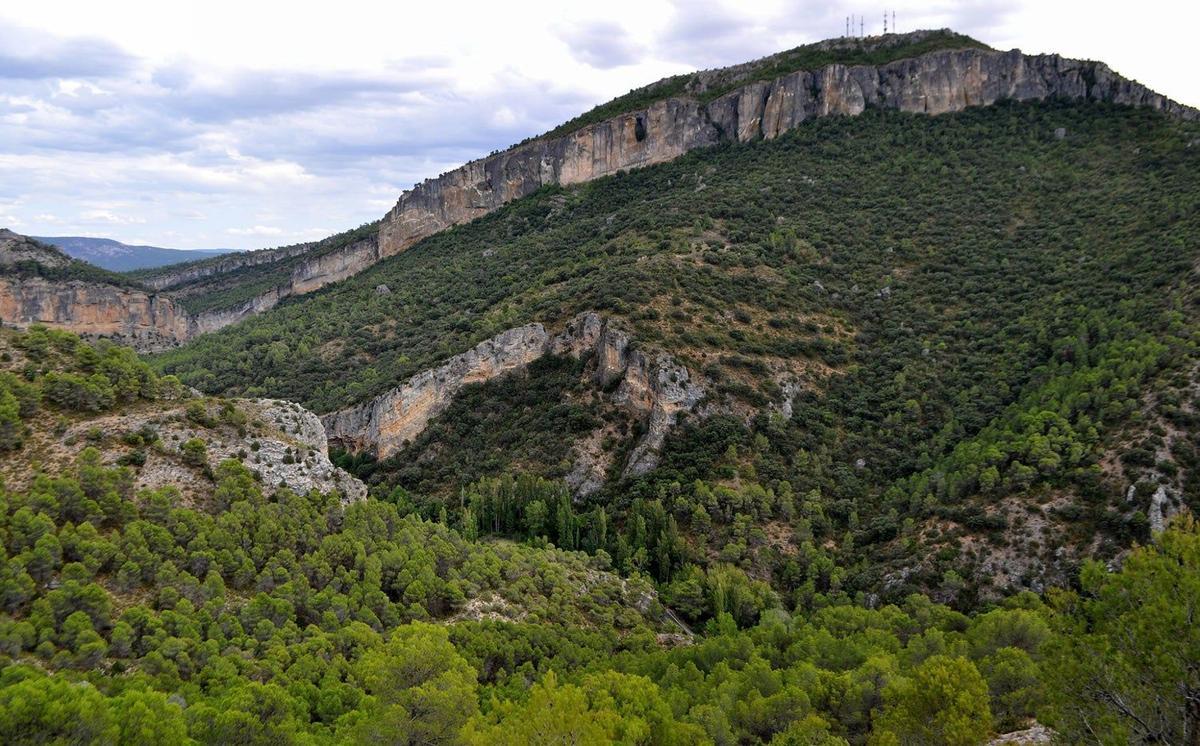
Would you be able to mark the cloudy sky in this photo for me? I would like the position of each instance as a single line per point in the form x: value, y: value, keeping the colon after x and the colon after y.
x: 258, y: 123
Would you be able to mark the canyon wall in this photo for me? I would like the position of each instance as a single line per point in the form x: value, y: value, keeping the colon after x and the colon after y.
x: 191, y: 272
x: 652, y: 387
x: 148, y: 322
x: 935, y: 83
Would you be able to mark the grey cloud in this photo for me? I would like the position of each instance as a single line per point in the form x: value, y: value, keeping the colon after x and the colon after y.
x: 603, y: 45
x: 34, y: 55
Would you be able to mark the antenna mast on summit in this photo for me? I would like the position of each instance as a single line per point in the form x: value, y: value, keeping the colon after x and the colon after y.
x: 861, y: 26
x: 885, y: 23
x: 847, y: 27
x: 894, y: 31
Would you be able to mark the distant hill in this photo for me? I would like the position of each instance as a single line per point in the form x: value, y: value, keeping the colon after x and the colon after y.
x: 123, y: 257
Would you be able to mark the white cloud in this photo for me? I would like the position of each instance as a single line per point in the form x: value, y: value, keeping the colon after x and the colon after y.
x: 192, y: 130
x: 257, y: 230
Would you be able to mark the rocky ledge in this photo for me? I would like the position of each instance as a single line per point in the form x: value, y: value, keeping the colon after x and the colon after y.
x: 651, y: 386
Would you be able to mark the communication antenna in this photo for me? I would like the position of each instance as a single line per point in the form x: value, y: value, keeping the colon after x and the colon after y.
x: 894, y: 22
x: 885, y: 23
x: 847, y: 26
x: 861, y: 26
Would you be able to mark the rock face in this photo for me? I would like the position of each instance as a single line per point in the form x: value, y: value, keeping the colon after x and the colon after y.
x: 652, y: 387
x: 384, y: 424
x: 194, y: 271
x: 935, y: 83
x: 145, y: 321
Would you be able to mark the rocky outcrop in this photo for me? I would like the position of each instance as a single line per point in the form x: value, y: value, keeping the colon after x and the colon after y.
x: 147, y: 322
x: 281, y: 442
x: 935, y: 83
x: 651, y: 386
x: 385, y: 424
x: 302, y: 434
x: 170, y: 277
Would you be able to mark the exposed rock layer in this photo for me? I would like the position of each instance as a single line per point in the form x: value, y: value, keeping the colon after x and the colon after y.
x: 652, y: 387
x: 935, y: 83
x: 146, y: 321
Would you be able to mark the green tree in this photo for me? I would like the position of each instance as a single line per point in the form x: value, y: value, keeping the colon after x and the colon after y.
x: 424, y: 689
x: 50, y: 709
x: 147, y: 718
x: 944, y: 701
x: 1125, y: 666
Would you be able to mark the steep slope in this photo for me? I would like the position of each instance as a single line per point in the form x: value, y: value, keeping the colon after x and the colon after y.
x: 121, y: 257
x: 913, y: 292
x: 39, y: 284
x: 930, y: 72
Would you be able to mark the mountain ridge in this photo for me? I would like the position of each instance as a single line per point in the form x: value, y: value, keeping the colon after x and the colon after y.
x: 118, y: 256
x: 936, y: 82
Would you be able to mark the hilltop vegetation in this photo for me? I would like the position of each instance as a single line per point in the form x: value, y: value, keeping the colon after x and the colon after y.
x: 41, y: 260
x: 810, y: 57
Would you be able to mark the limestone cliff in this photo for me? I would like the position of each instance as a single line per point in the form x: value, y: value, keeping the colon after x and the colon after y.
x: 170, y: 277
x: 41, y: 285
x: 147, y: 322
x: 652, y: 387
x: 935, y: 83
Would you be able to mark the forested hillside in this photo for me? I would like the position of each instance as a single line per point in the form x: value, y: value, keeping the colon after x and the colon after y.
x: 262, y: 616
x: 979, y: 312
x: 874, y: 430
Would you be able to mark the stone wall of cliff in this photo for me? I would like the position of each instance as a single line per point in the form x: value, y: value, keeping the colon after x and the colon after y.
x: 192, y: 272
x: 936, y: 83
x: 148, y: 322
x: 651, y: 387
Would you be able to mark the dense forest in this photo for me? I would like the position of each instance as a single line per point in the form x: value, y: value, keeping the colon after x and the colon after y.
x: 993, y: 328
x: 939, y: 485
x: 268, y: 617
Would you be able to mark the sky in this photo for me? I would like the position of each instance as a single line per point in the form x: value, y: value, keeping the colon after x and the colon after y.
x: 259, y: 123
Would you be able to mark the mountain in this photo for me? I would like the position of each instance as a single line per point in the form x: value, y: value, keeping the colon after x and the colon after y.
x: 847, y: 396
x: 121, y: 257
x: 930, y: 72
x: 895, y: 326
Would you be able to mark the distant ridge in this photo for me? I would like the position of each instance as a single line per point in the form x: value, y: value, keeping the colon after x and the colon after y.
x: 122, y: 257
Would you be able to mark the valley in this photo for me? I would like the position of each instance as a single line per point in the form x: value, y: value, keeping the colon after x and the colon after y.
x: 846, y: 396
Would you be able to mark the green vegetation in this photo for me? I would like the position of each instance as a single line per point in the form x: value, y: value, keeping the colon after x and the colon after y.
x: 59, y: 370
x: 807, y: 57
x: 231, y: 289
x: 280, y: 618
